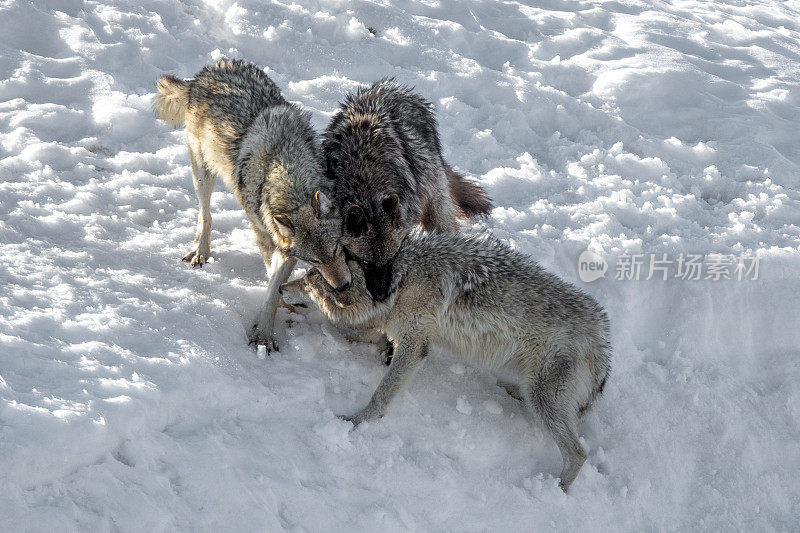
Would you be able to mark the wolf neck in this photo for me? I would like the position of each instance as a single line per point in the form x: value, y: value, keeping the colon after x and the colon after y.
x: 280, y: 158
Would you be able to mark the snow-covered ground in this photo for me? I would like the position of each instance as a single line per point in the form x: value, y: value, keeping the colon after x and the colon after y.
x: 129, y: 399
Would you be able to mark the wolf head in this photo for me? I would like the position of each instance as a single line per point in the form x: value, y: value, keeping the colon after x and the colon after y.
x: 372, y: 236
x: 311, y: 233
x: 280, y: 175
x: 371, y: 160
x: 353, y: 306
x: 375, y: 210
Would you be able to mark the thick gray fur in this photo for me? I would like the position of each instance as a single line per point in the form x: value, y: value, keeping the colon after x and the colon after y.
x: 493, y: 306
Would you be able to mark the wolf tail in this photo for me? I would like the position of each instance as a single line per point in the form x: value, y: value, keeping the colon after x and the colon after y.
x: 469, y: 197
x: 172, y: 99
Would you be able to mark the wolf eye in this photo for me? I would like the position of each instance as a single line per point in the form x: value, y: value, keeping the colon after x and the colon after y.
x: 390, y: 205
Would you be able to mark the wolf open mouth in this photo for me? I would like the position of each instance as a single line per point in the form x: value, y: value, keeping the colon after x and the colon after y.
x: 378, y: 280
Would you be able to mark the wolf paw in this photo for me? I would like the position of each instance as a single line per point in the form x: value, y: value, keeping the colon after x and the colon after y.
x: 352, y: 418
x: 258, y: 338
x: 197, y: 257
x: 364, y: 415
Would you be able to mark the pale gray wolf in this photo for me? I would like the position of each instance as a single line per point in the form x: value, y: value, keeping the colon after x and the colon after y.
x: 240, y: 128
x: 492, y: 306
x: 382, y: 150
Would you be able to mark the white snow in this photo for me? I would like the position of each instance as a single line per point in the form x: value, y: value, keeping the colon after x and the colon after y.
x: 130, y: 401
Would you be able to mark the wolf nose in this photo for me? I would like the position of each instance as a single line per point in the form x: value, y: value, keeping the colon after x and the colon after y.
x: 379, y: 295
x: 343, y: 287
x: 280, y: 289
x: 378, y: 281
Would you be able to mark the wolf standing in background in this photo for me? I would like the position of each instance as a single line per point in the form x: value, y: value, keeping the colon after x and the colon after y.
x: 239, y: 128
x: 382, y: 149
x: 492, y: 306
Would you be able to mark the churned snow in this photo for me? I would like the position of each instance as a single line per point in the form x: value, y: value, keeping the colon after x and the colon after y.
x: 129, y: 399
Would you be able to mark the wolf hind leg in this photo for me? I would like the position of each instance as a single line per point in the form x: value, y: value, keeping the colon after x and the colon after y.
x: 550, y: 398
x: 204, y: 181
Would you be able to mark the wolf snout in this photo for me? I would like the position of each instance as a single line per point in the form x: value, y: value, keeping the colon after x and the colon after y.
x: 336, y: 276
x: 378, y: 280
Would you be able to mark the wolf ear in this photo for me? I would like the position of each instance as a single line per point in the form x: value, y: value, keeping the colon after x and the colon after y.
x: 321, y: 204
x: 284, y: 223
x: 355, y: 222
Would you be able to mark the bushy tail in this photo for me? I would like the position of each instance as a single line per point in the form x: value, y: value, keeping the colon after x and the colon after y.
x: 469, y: 197
x: 172, y: 99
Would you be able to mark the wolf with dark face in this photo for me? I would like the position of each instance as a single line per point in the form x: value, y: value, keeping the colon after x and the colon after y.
x: 382, y: 149
x: 239, y: 128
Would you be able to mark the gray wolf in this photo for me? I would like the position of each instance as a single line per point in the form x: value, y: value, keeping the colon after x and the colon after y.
x: 240, y: 128
x: 382, y: 150
x: 492, y: 306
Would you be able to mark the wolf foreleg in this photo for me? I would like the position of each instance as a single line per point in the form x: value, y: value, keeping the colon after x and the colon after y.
x: 262, y: 332
x: 408, y: 354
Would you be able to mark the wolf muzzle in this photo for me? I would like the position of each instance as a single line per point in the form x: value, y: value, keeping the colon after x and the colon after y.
x: 378, y: 280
